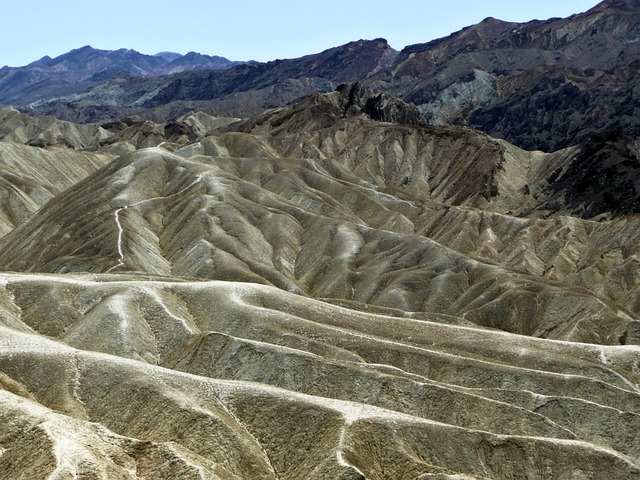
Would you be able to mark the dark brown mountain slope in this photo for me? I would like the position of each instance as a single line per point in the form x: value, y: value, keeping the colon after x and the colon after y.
x: 541, y: 85
x: 242, y: 91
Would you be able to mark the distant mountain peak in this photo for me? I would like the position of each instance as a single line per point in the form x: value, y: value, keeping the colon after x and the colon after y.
x: 168, y: 56
x: 84, y: 68
x: 43, y: 61
x: 492, y: 20
x: 86, y: 48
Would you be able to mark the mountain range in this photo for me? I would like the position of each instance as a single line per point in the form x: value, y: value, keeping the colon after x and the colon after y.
x: 323, y: 280
x: 540, y: 85
x: 85, y: 68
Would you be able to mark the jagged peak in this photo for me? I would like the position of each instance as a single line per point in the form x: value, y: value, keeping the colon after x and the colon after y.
x: 355, y: 44
x: 42, y: 61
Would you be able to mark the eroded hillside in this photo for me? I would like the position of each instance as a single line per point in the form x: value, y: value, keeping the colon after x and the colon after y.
x: 327, y: 290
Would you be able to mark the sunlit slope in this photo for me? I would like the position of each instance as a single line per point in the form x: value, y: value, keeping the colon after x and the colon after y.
x: 290, y: 224
x: 29, y: 177
x: 235, y: 380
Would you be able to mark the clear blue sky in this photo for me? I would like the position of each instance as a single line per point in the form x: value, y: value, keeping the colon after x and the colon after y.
x: 246, y: 30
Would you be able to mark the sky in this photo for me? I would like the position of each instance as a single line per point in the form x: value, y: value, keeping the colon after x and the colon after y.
x: 260, y: 30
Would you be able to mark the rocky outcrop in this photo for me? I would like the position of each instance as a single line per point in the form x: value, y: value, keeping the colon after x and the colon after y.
x: 378, y: 106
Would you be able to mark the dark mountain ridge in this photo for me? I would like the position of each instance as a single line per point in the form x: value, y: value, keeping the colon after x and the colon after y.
x: 544, y: 84
x: 347, y: 63
x: 83, y: 68
x: 242, y: 91
x: 541, y: 85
